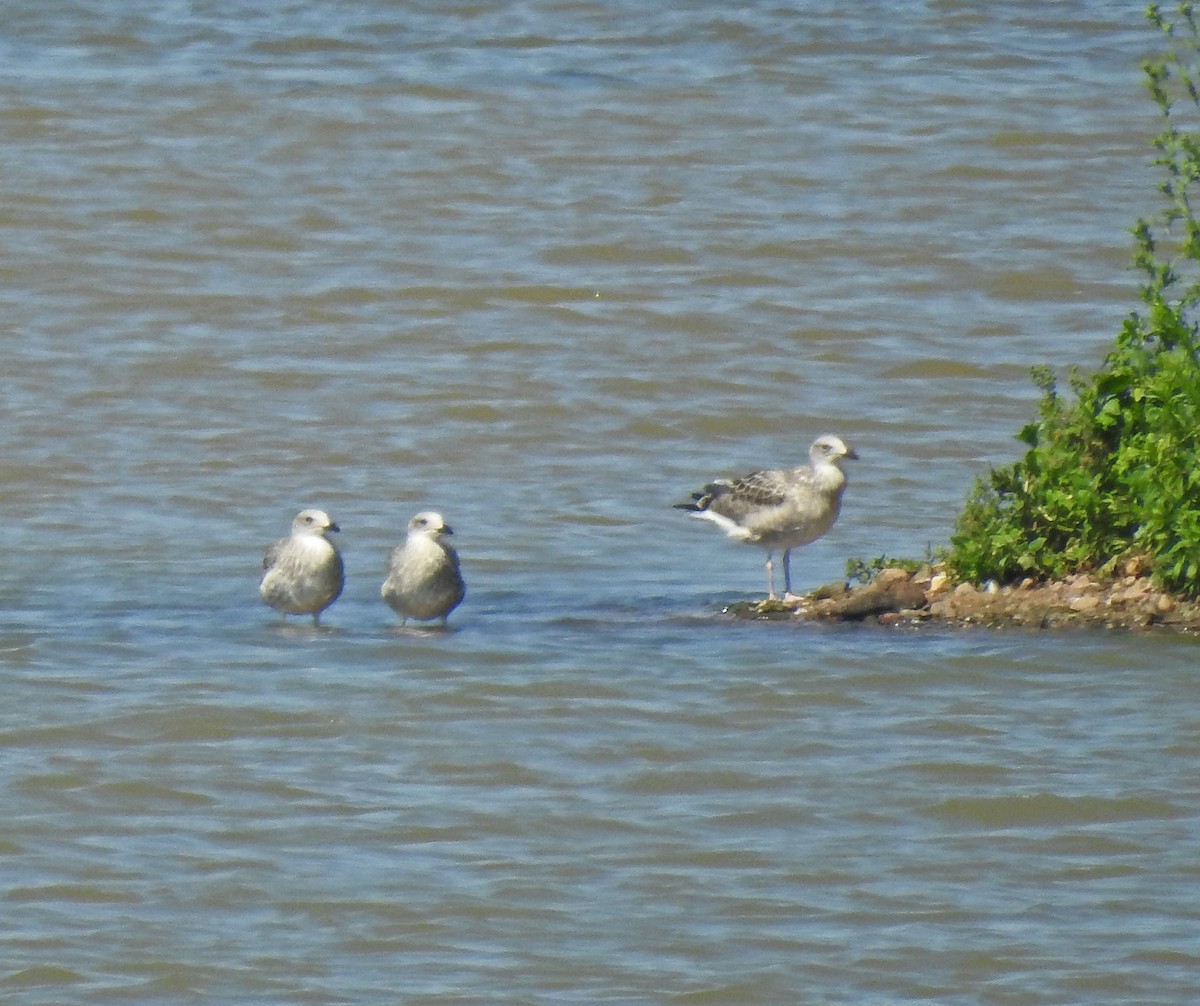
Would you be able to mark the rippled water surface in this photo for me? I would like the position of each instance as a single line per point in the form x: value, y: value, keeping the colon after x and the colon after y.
x: 546, y: 268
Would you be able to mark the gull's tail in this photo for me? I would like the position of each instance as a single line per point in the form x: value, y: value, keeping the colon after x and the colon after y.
x: 701, y: 501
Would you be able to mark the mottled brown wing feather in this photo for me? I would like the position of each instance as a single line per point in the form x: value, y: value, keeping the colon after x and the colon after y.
x: 760, y: 489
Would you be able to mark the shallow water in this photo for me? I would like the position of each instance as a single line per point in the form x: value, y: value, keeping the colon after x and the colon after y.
x: 547, y: 268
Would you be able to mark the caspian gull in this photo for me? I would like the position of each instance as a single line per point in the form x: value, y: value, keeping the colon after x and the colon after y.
x: 779, y: 509
x: 303, y: 573
x: 424, y: 580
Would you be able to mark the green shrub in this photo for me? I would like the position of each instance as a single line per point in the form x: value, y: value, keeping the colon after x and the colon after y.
x: 1114, y: 470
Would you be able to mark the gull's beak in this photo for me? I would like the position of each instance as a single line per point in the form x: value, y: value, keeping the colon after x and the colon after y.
x: 852, y: 454
x: 333, y: 526
x: 447, y: 529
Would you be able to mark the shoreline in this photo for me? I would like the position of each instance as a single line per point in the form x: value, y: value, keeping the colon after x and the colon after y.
x: 897, y: 597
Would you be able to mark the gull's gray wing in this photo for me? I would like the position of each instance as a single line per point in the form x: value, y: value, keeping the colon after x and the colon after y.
x: 274, y: 550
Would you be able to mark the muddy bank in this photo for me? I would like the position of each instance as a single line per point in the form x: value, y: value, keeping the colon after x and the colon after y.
x: 897, y: 597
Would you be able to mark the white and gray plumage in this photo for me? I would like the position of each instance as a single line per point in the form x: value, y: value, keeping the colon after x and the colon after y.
x: 424, y: 579
x: 779, y: 509
x: 303, y: 573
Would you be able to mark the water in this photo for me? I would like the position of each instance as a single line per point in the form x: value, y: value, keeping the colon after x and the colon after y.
x: 546, y: 268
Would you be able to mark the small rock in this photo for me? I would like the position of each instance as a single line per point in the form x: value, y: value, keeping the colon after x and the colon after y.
x: 1132, y: 590
x: 838, y: 589
x: 886, y: 577
x: 1137, y: 565
x: 923, y: 576
x: 938, y: 583
x: 877, y: 597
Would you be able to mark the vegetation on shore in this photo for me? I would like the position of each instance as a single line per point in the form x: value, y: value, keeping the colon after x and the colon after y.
x: 1099, y: 522
x: 1112, y: 472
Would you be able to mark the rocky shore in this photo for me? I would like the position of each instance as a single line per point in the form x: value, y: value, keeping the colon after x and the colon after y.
x: 897, y: 597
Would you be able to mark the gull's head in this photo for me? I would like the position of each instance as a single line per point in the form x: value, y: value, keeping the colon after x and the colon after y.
x: 313, y: 522
x: 429, y: 522
x: 830, y: 450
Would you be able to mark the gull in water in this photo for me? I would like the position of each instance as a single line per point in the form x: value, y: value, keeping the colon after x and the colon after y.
x: 303, y: 573
x: 779, y: 509
x: 423, y: 579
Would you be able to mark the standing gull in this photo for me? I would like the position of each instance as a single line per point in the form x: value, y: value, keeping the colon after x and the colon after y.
x: 779, y: 509
x: 303, y: 572
x: 424, y: 580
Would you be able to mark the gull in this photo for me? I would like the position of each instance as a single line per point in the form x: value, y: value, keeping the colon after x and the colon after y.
x: 779, y: 509
x: 303, y: 573
x: 423, y: 579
